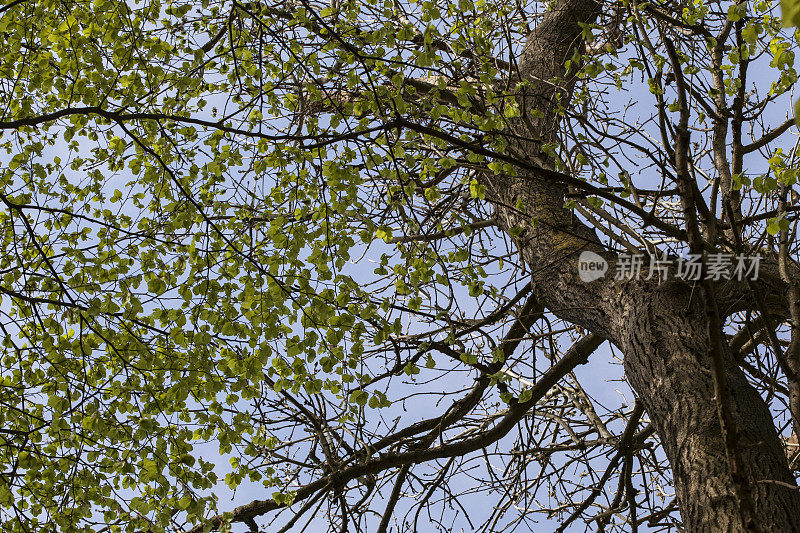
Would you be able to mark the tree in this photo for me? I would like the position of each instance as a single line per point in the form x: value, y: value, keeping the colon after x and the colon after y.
x: 342, y: 245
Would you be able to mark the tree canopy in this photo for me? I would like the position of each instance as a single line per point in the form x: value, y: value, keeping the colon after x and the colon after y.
x: 326, y: 254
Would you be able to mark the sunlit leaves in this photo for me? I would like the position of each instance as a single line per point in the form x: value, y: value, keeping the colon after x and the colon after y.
x: 790, y: 11
x: 235, y: 217
x: 777, y: 224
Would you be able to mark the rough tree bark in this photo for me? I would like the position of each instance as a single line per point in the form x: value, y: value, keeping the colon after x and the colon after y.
x: 662, y: 330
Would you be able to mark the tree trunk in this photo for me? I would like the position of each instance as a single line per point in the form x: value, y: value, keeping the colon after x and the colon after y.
x: 665, y: 343
x: 661, y: 330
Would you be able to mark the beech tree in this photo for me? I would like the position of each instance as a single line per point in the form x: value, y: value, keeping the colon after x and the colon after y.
x: 346, y: 258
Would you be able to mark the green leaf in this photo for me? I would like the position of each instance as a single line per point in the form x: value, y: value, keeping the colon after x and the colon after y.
x: 525, y: 395
x: 384, y: 233
x: 750, y: 33
x: 16, y: 161
x: 359, y: 397
x: 777, y: 224
x: 477, y: 190
x: 411, y: 369
x: 737, y: 11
